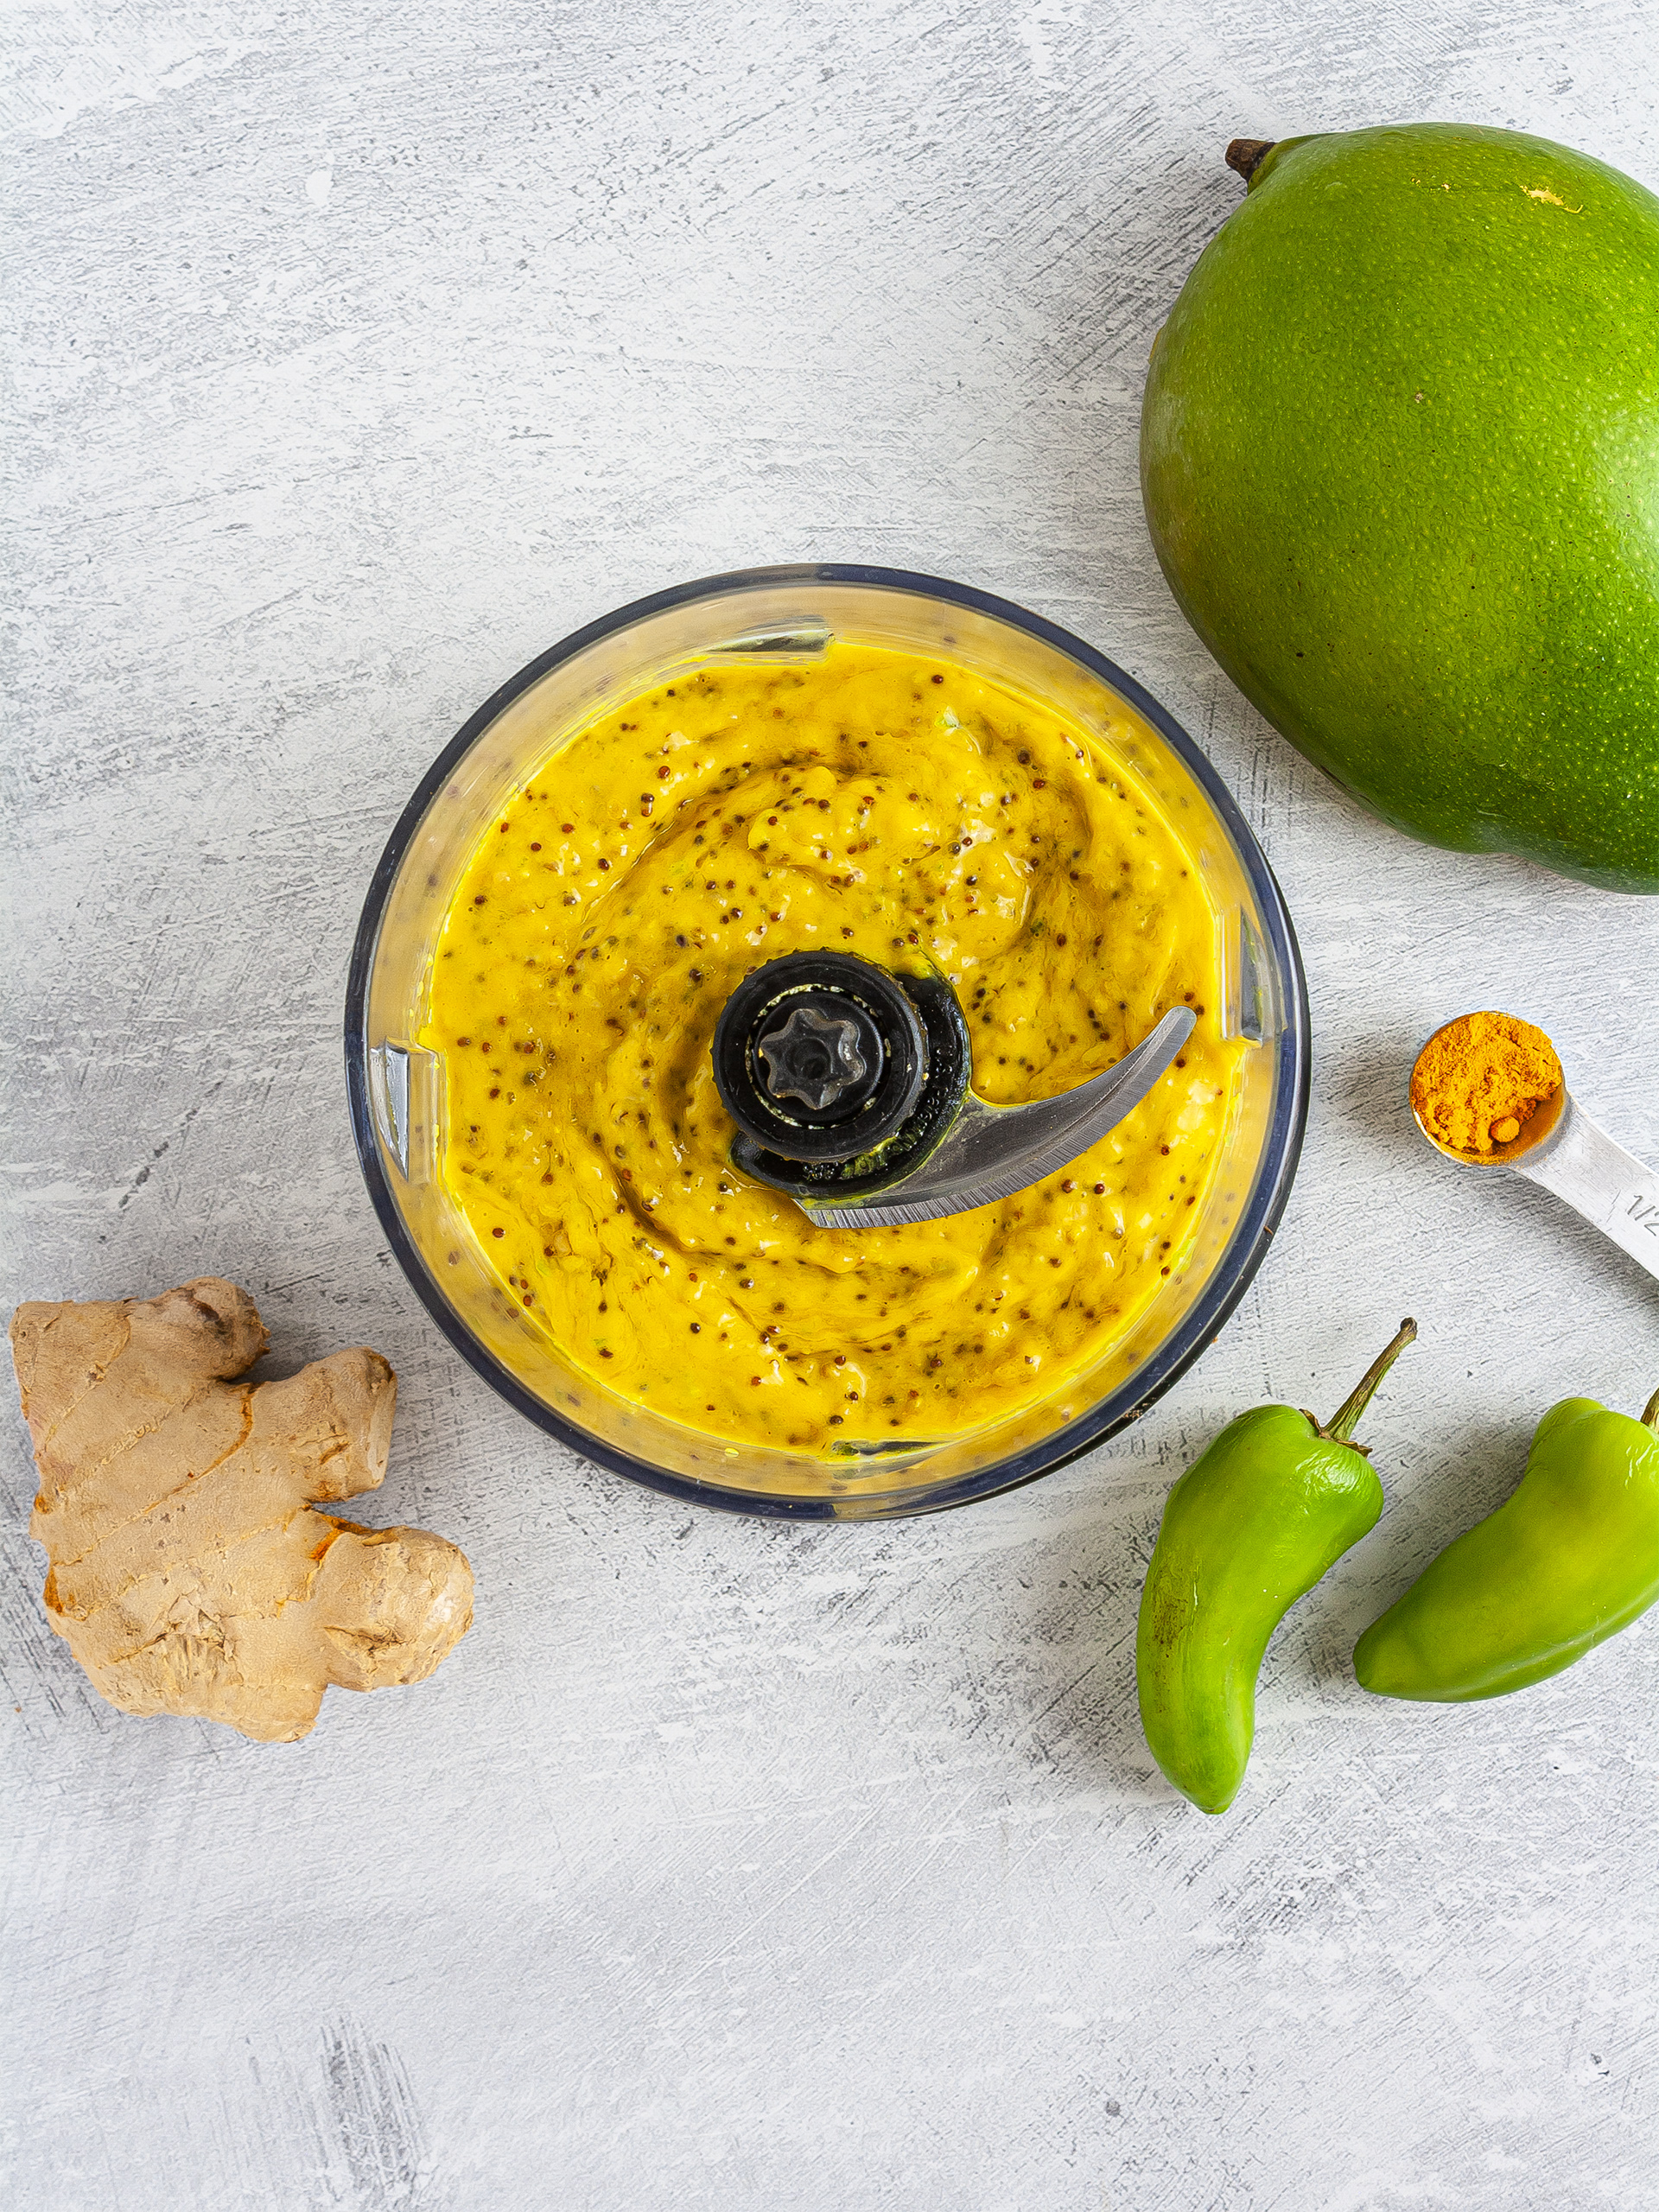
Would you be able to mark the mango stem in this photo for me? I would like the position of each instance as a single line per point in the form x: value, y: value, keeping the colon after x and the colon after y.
x: 1341, y: 1430
x: 1245, y: 155
x: 1651, y: 1418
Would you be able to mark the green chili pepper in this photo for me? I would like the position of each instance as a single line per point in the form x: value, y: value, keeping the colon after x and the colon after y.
x: 1249, y: 1528
x: 1570, y: 1559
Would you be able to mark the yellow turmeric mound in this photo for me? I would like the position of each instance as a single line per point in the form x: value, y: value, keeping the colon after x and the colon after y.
x: 1479, y: 1081
x: 189, y: 1572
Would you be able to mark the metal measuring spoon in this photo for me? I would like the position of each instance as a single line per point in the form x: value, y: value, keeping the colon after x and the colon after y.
x: 1561, y: 1148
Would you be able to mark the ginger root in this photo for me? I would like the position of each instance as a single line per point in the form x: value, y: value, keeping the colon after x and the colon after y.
x: 189, y: 1572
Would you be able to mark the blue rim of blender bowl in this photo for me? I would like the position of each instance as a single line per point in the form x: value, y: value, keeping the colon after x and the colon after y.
x: 1198, y: 1328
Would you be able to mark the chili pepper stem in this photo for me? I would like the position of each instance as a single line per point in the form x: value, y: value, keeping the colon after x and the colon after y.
x: 1651, y: 1418
x: 1341, y: 1429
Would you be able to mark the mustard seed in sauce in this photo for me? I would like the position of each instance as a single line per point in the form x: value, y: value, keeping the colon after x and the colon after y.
x: 858, y: 1325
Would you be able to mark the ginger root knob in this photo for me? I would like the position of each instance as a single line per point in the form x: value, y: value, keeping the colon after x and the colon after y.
x: 188, y: 1571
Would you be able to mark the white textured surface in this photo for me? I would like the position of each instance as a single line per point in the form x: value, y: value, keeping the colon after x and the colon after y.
x: 362, y: 351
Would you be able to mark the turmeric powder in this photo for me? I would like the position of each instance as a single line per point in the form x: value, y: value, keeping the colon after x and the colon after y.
x: 1479, y: 1081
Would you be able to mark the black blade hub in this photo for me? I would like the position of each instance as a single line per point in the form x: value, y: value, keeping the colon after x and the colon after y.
x: 834, y: 1068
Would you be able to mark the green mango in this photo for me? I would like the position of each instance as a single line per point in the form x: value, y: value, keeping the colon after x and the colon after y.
x: 1400, y: 456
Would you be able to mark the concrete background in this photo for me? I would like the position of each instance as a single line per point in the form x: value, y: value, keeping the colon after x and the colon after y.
x: 358, y: 353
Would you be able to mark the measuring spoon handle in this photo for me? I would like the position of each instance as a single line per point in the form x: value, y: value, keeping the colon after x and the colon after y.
x: 1600, y: 1179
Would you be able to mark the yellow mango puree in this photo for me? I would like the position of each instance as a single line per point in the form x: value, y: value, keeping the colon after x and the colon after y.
x: 869, y: 802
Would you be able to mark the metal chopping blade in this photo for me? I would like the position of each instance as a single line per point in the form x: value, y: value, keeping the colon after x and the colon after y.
x: 991, y: 1152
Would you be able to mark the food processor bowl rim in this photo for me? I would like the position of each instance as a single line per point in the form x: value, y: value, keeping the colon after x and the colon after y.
x: 1208, y: 1313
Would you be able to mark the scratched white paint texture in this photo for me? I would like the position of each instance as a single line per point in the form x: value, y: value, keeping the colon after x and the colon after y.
x: 358, y: 353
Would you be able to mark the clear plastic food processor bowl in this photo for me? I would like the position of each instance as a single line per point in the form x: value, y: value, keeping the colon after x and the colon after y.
x: 396, y: 1089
